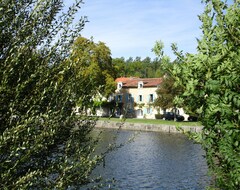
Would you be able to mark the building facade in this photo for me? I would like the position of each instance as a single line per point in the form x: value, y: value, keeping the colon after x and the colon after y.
x: 135, y: 98
x: 137, y: 95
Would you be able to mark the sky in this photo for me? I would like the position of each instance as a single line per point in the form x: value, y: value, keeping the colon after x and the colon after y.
x: 130, y: 28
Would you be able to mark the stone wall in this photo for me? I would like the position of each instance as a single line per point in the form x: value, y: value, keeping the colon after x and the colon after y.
x: 146, y: 127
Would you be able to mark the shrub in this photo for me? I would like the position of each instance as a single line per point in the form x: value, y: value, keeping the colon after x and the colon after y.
x: 159, y: 116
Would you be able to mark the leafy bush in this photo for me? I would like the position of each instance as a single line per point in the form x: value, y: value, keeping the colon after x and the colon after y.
x: 159, y: 116
x: 42, y: 142
x: 211, y: 81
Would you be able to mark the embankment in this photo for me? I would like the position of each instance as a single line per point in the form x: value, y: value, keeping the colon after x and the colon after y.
x: 147, y: 127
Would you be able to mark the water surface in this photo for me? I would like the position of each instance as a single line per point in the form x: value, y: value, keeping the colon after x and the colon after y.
x: 154, y: 161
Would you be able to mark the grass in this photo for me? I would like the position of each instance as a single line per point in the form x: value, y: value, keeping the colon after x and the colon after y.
x: 152, y: 121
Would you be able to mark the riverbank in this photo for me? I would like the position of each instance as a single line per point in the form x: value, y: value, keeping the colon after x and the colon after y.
x: 141, y: 126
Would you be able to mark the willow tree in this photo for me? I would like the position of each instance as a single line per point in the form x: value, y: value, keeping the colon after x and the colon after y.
x: 211, y: 82
x: 42, y: 143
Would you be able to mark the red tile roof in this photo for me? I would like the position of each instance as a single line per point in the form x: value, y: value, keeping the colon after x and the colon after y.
x: 133, y: 82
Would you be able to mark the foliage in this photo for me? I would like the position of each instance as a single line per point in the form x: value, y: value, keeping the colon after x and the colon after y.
x: 166, y: 93
x: 140, y: 105
x: 158, y: 48
x: 94, y: 63
x: 210, y: 79
x: 159, y: 116
x: 42, y: 143
x: 143, y: 68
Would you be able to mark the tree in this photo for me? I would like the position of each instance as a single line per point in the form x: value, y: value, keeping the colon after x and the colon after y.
x: 120, y: 66
x: 94, y: 63
x: 138, y: 68
x: 42, y: 142
x: 210, y: 79
x: 166, y: 93
x: 158, y: 49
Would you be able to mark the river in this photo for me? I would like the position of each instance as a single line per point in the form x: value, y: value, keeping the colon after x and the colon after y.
x: 153, y: 160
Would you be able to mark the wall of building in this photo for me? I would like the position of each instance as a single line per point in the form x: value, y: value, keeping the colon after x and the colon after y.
x: 138, y: 101
x: 142, y: 107
x: 144, y: 98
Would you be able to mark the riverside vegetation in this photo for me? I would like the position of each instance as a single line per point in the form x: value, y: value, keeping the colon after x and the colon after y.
x: 211, y: 84
x: 38, y: 89
x: 40, y: 84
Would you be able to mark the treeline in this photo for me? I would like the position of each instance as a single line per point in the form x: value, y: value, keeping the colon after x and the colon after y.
x: 143, y: 68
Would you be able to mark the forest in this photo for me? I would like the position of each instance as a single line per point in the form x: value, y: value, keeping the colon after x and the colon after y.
x: 138, y: 67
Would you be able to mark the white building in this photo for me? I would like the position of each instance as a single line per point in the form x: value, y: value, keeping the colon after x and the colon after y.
x: 135, y: 97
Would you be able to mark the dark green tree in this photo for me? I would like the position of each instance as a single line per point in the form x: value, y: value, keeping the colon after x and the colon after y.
x: 166, y: 93
x: 43, y: 145
x: 120, y: 66
x: 144, y: 68
x: 211, y: 83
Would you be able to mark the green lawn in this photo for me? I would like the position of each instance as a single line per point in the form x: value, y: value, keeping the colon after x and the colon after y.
x: 153, y: 121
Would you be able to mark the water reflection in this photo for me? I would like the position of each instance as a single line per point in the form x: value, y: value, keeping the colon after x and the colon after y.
x: 154, y: 161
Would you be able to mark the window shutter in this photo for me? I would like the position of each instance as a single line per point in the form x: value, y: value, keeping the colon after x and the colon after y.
x: 145, y: 111
x: 126, y: 97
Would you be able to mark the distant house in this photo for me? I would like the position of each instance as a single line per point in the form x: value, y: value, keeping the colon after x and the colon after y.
x: 137, y: 96
x: 134, y: 97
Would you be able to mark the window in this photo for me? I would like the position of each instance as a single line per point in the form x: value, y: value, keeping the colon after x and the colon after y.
x: 148, y: 110
x: 139, y: 112
x: 140, y: 84
x: 120, y: 85
x: 150, y: 97
x: 119, y: 98
x: 129, y: 98
x: 140, y: 98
